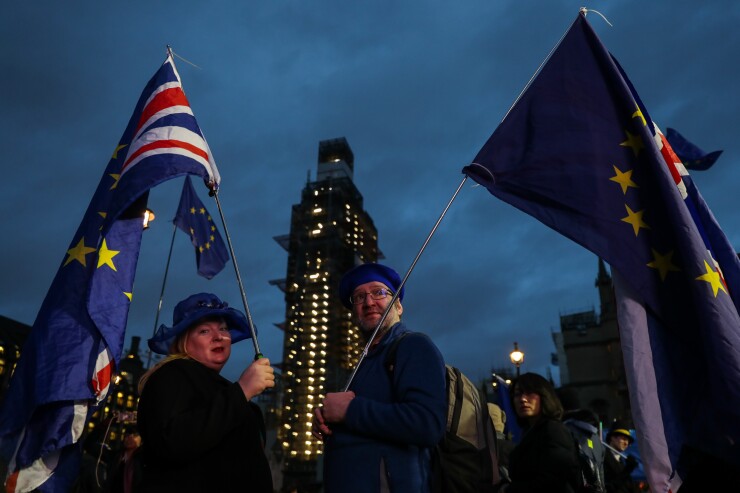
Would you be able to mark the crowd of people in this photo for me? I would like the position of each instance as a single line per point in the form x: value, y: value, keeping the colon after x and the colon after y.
x: 199, y: 432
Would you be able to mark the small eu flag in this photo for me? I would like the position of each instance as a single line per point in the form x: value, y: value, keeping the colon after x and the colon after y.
x: 192, y: 217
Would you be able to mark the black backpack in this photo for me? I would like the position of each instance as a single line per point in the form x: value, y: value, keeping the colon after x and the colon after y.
x: 465, y: 460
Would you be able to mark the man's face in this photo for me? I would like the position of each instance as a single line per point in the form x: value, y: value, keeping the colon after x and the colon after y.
x: 368, y: 312
x: 619, y: 442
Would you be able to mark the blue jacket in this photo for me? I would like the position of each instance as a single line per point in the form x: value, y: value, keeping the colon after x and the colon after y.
x: 390, y: 426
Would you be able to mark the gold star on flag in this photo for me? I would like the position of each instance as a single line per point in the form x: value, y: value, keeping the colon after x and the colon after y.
x: 634, y: 142
x: 712, y: 277
x: 208, y: 246
x: 200, y: 249
x: 213, y: 238
x: 115, y: 152
x: 664, y: 263
x: 635, y: 219
x: 105, y: 256
x: 213, y: 228
x: 130, y: 296
x: 202, y: 210
x: 115, y: 177
x: 638, y: 114
x: 78, y: 252
x: 624, y: 179
x: 209, y: 218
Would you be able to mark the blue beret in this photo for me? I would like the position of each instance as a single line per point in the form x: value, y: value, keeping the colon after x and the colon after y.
x: 365, y: 273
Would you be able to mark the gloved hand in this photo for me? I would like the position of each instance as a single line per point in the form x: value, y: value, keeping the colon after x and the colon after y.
x: 630, y: 463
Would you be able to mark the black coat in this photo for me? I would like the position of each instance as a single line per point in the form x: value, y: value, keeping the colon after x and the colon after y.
x: 544, y: 461
x: 617, y: 475
x: 200, y: 434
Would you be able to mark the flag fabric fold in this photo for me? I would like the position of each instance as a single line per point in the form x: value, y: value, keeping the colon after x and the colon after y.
x: 579, y: 152
x: 76, y: 341
x: 511, y: 427
x: 691, y: 156
x: 193, y: 218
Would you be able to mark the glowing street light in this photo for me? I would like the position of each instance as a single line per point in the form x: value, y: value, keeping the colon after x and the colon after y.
x: 148, y: 217
x: 517, y: 358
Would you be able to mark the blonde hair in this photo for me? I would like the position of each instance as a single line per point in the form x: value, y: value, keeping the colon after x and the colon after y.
x: 177, y: 351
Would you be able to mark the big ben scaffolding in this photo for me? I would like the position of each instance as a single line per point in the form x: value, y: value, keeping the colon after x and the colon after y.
x: 330, y: 232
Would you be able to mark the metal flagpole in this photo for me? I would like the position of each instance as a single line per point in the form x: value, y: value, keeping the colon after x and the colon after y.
x: 257, y: 352
x: 161, y: 294
x: 403, y: 282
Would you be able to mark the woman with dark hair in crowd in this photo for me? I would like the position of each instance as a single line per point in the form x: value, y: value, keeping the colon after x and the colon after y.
x: 546, y: 458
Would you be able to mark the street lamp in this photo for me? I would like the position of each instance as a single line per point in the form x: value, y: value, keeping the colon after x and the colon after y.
x: 517, y: 358
x: 148, y: 217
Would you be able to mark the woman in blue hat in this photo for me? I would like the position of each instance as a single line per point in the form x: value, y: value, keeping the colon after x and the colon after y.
x: 200, y: 432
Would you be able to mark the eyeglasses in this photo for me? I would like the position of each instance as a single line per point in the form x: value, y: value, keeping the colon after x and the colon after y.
x: 210, y: 304
x: 375, y: 294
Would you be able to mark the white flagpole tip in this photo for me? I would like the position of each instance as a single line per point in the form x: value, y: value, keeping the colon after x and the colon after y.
x: 585, y: 12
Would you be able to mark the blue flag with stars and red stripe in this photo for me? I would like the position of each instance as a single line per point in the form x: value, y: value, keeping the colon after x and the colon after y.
x: 76, y: 342
x: 579, y: 152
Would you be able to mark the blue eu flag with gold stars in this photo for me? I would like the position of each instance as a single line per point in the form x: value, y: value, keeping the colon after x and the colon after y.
x: 193, y: 218
x: 579, y: 152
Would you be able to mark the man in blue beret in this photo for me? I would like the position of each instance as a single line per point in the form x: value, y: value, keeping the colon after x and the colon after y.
x: 378, y: 435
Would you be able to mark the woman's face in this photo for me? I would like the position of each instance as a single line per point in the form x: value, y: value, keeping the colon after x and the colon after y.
x: 527, y: 405
x: 209, y: 343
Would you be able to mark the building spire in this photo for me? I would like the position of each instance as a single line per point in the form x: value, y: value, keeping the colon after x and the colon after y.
x: 606, y: 293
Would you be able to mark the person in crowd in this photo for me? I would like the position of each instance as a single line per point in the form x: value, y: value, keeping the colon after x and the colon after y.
x: 503, y: 443
x: 93, y: 464
x: 546, y: 458
x: 125, y: 471
x: 618, y: 466
x: 200, y: 432
x: 379, y: 434
x: 584, y: 426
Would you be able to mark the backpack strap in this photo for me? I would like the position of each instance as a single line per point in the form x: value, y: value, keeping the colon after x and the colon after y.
x: 390, y: 356
x: 459, y: 396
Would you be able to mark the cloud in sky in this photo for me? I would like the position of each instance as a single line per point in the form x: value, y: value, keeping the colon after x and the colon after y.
x: 416, y: 87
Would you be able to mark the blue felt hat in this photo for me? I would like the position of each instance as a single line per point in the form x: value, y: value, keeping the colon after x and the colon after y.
x: 365, y: 273
x: 195, y: 308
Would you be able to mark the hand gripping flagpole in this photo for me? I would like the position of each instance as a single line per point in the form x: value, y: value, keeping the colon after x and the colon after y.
x: 257, y: 353
x: 403, y: 282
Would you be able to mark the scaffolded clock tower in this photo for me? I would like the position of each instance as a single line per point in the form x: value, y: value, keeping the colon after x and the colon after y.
x: 330, y: 232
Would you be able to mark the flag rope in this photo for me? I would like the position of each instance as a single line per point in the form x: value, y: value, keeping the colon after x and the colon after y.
x: 403, y: 282
x: 161, y: 293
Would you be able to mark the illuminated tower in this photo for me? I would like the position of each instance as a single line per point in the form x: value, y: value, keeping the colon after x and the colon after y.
x: 330, y: 232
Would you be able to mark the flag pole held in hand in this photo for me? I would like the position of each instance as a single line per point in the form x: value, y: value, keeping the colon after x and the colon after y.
x: 403, y: 282
x: 257, y: 353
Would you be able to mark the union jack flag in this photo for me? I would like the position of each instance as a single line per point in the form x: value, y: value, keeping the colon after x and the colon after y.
x: 76, y: 342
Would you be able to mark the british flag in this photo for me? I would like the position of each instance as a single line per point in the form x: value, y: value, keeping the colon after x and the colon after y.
x: 76, y: 342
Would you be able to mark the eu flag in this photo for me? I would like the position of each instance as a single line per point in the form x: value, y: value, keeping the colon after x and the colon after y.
x: 691, y: 155
x: 76, y: 341
x: 579, y: 152
x: 193, y: 218
x: 503, y: 399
